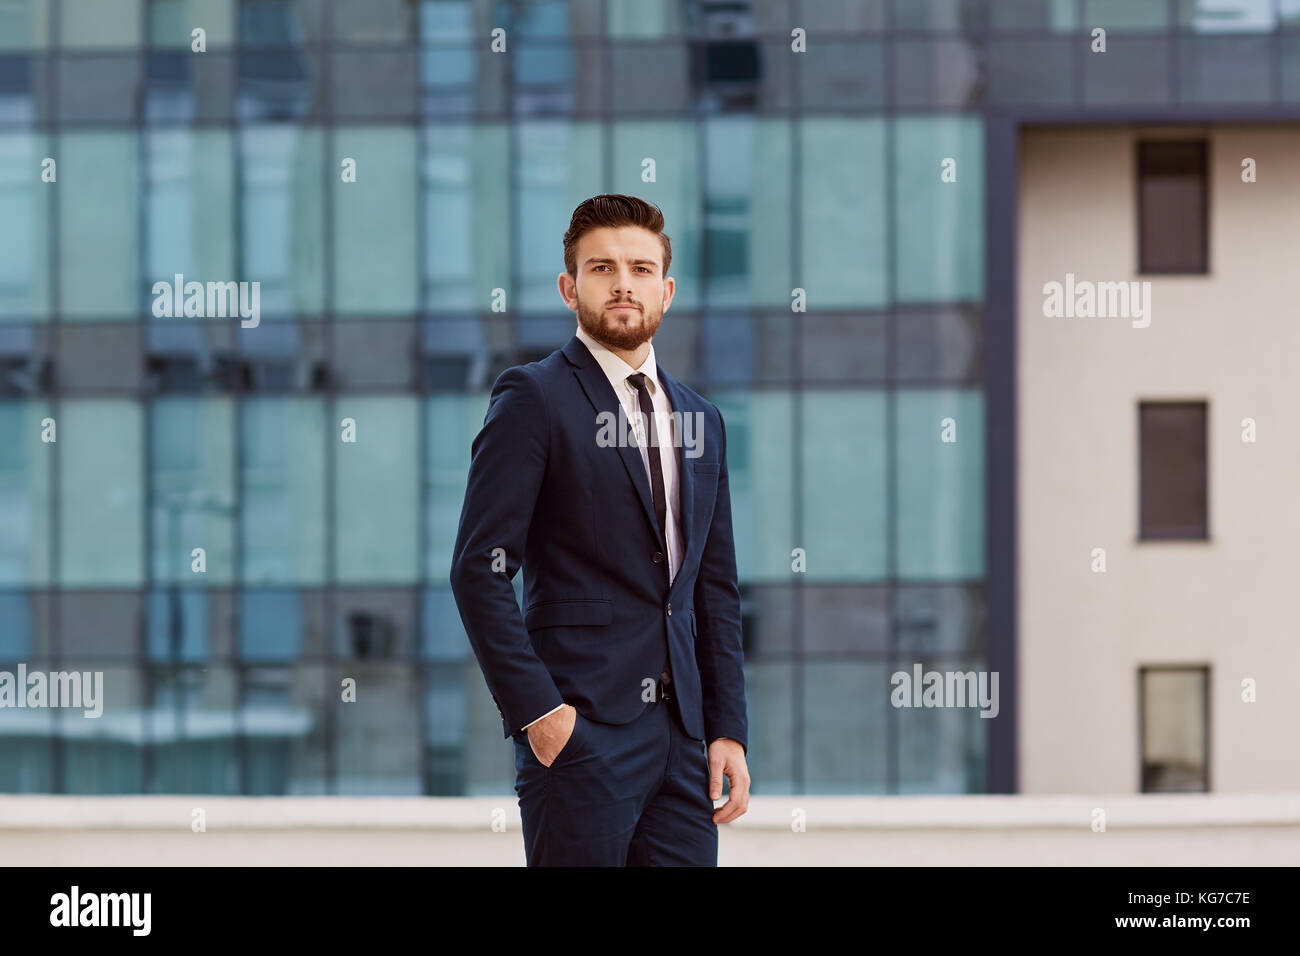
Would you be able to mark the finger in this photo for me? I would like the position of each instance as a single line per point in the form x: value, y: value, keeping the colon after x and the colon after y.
x: 716, y: 766
x: 738, y: 799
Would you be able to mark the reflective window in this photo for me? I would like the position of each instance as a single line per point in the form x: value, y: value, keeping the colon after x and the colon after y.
x: 943, y: 749
x: 24, y: 496
x: 940, y: 484
x: 1055, y: 16
x: 451, y: 422
x: 282, y: 237
x: 106, y: 754
x: 98, y: 213
x: 24, y: 242
x: 377, y: 748
x: 559, y: 167
x: 191, y: 492
x: 376, y: 493
x: 448, y: 57
x: 24, y: 25
x: 464, y: 179
x: 1125, y: 15
x: 386, y: 22
x: 845, y: 499
x: 643, y: 19
x: 760, y: 472
x: 101, y: 493
x: 93, y: 24
x: 747, y: 216
x: 948, y: 15
x: 845, y: 701
x: 282, y: 516
x: 193, y: 726
x: 282, y: 717
x: 1227, y: 16
x: 938, y: 209
x: 842, y: 200
x: 769, y: 692
x: 189, y: 227
x: 177, y: 625
x: 375, y: 222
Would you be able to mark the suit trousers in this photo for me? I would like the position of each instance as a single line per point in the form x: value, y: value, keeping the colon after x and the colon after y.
x: 634, y: 794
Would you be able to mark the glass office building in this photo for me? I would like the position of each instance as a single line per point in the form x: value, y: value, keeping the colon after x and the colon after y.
x: 397, y: 177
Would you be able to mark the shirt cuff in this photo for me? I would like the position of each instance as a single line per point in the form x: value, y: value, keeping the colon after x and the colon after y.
x: 547, y: 714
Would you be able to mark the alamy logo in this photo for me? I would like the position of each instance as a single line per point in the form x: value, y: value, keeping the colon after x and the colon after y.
x: 1098, y: 300
x: 946, y: 689
x: 213, y: 300
x: 621, y: 431
x: 56, y: 689
x: 102, y: 909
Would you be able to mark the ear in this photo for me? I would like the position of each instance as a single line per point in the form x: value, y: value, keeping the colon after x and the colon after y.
x: 568, y: 290
x: 670, y: 287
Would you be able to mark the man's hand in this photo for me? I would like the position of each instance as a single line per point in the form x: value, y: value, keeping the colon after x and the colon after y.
x: 549, y: 735
x: 727, y: 757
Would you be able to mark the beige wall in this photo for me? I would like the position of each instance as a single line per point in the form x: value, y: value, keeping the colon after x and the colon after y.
x: 1231, y: 338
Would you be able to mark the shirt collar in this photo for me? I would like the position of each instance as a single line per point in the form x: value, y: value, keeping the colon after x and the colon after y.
x: 615, y: 369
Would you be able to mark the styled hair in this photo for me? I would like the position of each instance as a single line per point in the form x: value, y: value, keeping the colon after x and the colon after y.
x: 613, y: 209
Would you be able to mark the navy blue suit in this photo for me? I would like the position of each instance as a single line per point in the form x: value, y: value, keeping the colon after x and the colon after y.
x: 600, y: 618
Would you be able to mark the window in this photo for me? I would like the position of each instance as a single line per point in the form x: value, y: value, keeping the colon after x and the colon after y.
x: 1173, y: 470
x: 1174, y: 710
x: 1172, y: 207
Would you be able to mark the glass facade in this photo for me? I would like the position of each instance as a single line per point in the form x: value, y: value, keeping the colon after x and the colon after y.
x: 399, y: 189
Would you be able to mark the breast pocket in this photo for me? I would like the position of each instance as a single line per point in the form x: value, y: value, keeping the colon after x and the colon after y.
x: 577, y: 611
x: 706, y: 467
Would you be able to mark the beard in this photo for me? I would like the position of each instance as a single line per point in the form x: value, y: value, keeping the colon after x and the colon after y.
x: 620, y: 330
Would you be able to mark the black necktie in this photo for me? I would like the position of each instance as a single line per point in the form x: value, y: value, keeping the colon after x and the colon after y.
x: 656, y: 479
x: 656, y: 470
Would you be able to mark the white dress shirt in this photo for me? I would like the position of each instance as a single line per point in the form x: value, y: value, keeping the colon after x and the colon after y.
x: 617, y: 371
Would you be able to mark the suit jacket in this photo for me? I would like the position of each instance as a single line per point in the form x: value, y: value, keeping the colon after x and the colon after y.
x: 599, y: 616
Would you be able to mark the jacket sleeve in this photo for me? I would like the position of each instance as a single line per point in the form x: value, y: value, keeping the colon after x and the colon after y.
x: 505, y: 476
x: 719, y: 652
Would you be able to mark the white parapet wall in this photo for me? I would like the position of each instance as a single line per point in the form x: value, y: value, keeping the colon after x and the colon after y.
x: 1181, y: 830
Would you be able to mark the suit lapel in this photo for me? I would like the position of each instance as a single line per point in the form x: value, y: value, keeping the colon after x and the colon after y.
x: 601, y: 395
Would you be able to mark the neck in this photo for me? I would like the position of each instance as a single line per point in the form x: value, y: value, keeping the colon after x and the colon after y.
x: 633, y: 357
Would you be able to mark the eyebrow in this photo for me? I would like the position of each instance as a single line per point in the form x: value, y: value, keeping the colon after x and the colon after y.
x: 636, y: 262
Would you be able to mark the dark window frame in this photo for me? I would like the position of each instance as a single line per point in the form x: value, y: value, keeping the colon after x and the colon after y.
x: 1140, y: 146
x: 1184, y: 533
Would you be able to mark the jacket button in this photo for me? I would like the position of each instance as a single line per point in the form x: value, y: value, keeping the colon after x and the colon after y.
x: 658, y: 557
x: 670, y: 610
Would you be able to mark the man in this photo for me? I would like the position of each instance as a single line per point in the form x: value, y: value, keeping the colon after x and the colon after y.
x: 606, y: 479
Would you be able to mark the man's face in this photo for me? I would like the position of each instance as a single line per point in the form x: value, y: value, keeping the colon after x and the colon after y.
x: 621, y: 293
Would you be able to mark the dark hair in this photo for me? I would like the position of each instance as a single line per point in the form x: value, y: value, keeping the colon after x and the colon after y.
x: 613, y: 209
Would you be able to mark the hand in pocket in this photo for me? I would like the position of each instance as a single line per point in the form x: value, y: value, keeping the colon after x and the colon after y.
x: 551, y: 735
